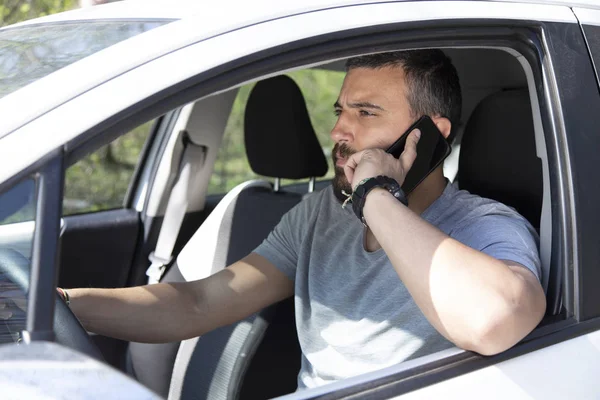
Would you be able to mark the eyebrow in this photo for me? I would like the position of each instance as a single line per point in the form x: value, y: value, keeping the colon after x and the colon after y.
x: 362, y: 104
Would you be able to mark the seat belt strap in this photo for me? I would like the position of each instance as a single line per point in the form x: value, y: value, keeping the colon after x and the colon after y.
x: 191, y: 162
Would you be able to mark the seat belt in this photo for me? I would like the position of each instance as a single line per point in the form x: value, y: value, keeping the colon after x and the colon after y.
x: 192, y: 160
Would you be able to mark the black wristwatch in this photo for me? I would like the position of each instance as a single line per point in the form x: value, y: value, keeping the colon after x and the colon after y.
x: 359, y: 195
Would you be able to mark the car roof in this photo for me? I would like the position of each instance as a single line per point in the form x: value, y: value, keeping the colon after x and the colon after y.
x: 197, y: 21
x: 231, y: 14
x: 226, y: 14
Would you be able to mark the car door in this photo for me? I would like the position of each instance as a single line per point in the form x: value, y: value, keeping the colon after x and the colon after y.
x: 101, y: 232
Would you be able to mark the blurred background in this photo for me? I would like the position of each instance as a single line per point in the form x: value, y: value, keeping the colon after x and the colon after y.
x: 13, y: 11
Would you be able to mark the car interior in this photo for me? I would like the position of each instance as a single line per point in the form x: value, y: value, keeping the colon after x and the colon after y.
x: 259, y: 357
x: 499, y: 153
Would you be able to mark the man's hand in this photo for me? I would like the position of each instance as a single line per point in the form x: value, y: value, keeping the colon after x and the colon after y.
x: 373, y: 162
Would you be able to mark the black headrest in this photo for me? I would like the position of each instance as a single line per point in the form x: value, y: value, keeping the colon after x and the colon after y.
x: 498, y: 157
x: 280, y: 139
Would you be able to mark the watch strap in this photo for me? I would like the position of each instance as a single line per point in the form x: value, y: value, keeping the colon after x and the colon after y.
x: 359, y: 195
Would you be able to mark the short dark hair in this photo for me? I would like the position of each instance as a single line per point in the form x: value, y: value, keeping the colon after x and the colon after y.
x: 431, y: 78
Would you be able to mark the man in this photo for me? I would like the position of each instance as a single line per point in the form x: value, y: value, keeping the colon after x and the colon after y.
x: 449, y: 268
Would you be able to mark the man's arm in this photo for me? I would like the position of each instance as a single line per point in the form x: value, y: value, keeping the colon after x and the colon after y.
x: 477, y: 302
x: 168, y: 312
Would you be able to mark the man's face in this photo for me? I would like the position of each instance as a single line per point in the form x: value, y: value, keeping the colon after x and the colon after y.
x: 372, y: 113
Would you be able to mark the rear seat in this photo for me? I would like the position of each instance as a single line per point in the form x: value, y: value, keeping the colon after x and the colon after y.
x: 280, y: 143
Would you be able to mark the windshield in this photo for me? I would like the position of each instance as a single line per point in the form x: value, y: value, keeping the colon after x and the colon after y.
x: 17, y: 225
x: 31, y: 52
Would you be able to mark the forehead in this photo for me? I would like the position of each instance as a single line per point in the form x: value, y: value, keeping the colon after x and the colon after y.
x: 374, y: 84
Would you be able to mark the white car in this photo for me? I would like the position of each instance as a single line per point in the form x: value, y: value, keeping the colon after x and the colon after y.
x: 74, y: 84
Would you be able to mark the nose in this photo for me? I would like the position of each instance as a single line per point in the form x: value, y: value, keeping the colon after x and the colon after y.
x: 342, y: 131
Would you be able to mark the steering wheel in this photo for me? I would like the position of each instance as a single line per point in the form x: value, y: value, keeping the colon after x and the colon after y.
x: 67, y: 328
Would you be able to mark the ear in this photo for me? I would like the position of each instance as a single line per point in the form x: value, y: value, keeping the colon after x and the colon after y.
x: 443, y: 124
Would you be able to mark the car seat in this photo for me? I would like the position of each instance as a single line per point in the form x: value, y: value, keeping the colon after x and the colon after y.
x: 498, y: 160
x: 258, y: 357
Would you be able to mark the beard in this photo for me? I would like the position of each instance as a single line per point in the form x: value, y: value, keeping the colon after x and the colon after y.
x: 339, y: 181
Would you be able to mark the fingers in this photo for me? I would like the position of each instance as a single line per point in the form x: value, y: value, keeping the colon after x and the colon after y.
x: 408, y: 156
x: 372, y: 162
x: 351, y: 165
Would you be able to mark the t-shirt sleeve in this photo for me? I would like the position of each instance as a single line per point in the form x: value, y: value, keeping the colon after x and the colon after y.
x: 503, y: 237
x: 282, y: 245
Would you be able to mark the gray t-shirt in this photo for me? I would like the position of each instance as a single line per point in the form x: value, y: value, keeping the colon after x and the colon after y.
x: 353, y: 313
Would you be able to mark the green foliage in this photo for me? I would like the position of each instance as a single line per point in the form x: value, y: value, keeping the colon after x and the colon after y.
x: 13, y: 11
x: 320, y: 89
x: 100, y: 180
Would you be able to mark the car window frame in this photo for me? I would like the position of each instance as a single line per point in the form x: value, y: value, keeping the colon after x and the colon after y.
x: 401, y: 379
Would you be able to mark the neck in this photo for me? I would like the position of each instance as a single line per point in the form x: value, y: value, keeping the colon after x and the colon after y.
x: 427, y: 192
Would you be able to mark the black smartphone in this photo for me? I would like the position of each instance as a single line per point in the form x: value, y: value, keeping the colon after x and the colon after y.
x: 432, y: 149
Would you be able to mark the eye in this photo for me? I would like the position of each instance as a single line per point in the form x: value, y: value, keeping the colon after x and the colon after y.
x: 337, y: 112
x: 365, y: 113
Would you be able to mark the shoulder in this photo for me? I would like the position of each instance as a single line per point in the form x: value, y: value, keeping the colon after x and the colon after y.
x: 479, y: 221
x: 493, y: 228
x: 310, y: 205
x: 459, y: 209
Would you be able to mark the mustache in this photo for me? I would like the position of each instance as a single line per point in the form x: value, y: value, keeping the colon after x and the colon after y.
x: 343, y: 150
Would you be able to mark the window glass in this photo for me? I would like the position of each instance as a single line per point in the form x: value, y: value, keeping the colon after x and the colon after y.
x: 17, y: 205
x: 31, y: 52
x: 17, y: 225
x: 100, y: 181
x: 320, y: 89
